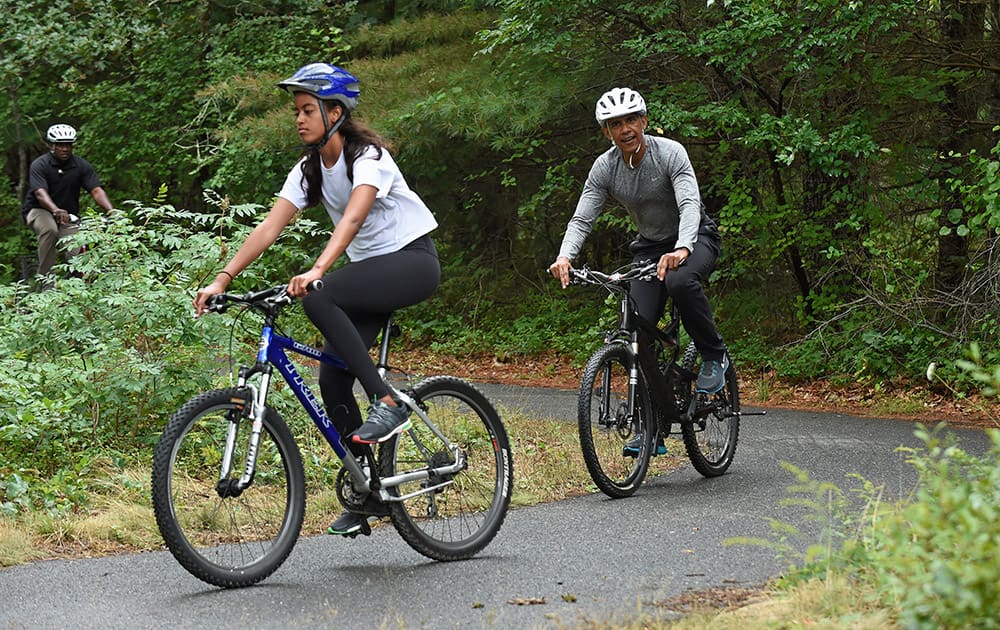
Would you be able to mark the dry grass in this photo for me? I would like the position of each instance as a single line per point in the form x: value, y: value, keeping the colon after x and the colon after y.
x: 16, y: 545
x: 831, y: 604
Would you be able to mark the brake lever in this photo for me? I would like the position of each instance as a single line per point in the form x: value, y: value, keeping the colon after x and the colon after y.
x: 217, y: 304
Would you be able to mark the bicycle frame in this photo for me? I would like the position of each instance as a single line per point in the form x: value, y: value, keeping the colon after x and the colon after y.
x: 271, y: 353
x: 636, y: 332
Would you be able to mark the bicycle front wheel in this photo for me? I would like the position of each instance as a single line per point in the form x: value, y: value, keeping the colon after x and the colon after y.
x: 450, y: 515
x: 616, y: 445
x: 710, y: 439
x: 222, y: 536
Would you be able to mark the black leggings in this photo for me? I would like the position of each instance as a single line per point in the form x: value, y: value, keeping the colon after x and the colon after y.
x: 353, y: 305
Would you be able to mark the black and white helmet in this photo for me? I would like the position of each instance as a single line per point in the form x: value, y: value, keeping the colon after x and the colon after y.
x: 619, y: 102
x: 60, y: 133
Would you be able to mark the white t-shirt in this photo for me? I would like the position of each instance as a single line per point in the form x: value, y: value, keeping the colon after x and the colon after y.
x: 398, y: 216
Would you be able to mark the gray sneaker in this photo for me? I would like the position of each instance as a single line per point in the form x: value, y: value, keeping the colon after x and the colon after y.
x: 384, y: 421
x: 712, y: 376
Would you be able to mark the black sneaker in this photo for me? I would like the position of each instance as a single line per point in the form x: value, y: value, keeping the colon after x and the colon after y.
x: 712, y: 376
x: 384, y: 421
x: 347, y: 524
x: 631, y: 448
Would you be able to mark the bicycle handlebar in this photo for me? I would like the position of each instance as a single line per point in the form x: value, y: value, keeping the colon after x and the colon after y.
x: 273, y: 296
x: 634, y: 271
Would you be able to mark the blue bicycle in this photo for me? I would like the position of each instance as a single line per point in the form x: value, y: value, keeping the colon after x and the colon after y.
x: 228, y: 483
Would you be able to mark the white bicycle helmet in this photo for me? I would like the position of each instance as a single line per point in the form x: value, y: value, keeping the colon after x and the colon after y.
x: 619, y: 102
x: 60, y: 133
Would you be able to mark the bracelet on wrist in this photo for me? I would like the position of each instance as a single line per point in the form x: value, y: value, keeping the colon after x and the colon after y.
x: 231, y: 276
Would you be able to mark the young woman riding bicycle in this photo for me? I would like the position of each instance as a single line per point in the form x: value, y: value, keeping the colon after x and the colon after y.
x: 653, y: 179
x: 382, y: 226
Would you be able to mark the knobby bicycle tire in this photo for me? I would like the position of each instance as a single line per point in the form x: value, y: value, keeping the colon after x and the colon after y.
x: 465, y: 510
x: 711, y: 441
x: 227, y: 541
x: 604, y: 427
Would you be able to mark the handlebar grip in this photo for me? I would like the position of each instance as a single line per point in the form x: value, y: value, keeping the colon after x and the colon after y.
x: 315, y: 285
x: 216, y: 303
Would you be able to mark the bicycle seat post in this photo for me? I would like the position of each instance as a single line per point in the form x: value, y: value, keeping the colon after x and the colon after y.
x: 383, y: 353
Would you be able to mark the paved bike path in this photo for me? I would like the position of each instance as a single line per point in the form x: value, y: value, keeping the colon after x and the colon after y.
x: 551, y: 566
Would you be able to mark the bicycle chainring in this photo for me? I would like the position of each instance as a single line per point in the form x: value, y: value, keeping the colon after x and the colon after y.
x: 349, y: 497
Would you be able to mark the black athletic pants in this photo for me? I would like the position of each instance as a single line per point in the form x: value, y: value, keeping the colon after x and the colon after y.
x: 686, y: 286
x: 353, y: 305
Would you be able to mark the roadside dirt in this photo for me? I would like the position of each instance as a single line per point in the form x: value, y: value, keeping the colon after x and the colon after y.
x: 898, y: 400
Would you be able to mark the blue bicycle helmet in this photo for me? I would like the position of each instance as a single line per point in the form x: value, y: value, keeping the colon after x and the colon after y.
x: 325, y: 82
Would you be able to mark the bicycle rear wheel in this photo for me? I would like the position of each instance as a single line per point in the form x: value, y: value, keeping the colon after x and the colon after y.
x: 710, y: 440
x: 450, y: 516
x: 227, y: 540
x: 605, y: 426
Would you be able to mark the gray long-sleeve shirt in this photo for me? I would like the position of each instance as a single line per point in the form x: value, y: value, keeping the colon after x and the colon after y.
x: 661, y: 196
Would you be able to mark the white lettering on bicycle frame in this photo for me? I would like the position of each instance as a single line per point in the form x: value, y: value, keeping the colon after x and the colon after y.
x: 299, y: 385
x: 309, y: 351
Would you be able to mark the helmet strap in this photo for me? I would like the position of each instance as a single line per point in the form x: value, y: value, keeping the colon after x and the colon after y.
x: 330, y: 129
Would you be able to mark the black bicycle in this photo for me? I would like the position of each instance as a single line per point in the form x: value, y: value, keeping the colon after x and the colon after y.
x: 639, y: 388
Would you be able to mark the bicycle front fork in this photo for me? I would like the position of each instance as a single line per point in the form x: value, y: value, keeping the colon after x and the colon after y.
x: 234, y: 487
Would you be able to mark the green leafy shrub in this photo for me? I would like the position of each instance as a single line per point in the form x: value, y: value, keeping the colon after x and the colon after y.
x: 933, y: 557
x: 98, y: 364
x: 930, y: 557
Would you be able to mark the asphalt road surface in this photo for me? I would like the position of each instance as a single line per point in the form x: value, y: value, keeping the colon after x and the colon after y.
x: 551, y: 566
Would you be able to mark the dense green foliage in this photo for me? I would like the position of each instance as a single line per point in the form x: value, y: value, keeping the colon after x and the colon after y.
x: 930, y: 557
x: 816, y: 130
x: 834, y: 142
x: 99, y: 364
x: 848, y: 150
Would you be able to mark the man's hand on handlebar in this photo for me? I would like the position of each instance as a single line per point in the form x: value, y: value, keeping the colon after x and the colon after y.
x: 671, y: 261
x: 560, y: 270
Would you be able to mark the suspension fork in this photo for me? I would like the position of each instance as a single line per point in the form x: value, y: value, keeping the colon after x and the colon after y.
x: 629, y: 327
x: 633, y: 374
x: 257, y: 402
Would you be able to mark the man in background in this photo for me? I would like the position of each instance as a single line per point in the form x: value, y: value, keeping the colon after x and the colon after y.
x: 52, y: 205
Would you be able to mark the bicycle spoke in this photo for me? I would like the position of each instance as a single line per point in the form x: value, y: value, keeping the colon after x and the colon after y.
x: 615, y: 443
x: 451, y: 515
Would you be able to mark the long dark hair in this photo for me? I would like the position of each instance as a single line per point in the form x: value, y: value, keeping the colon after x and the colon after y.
x: 357, y: 138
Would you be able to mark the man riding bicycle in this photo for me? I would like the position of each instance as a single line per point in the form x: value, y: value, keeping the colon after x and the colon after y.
x: 653, y: 179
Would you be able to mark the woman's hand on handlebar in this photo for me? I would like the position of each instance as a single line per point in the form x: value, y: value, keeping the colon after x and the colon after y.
x: 300, y: 284
x: 201, y: 300
x: 560, y: 270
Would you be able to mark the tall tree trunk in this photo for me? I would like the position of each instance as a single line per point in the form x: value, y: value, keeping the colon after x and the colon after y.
x: 793, y: 254
x: 962, y: 25
x: 22, y: 150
